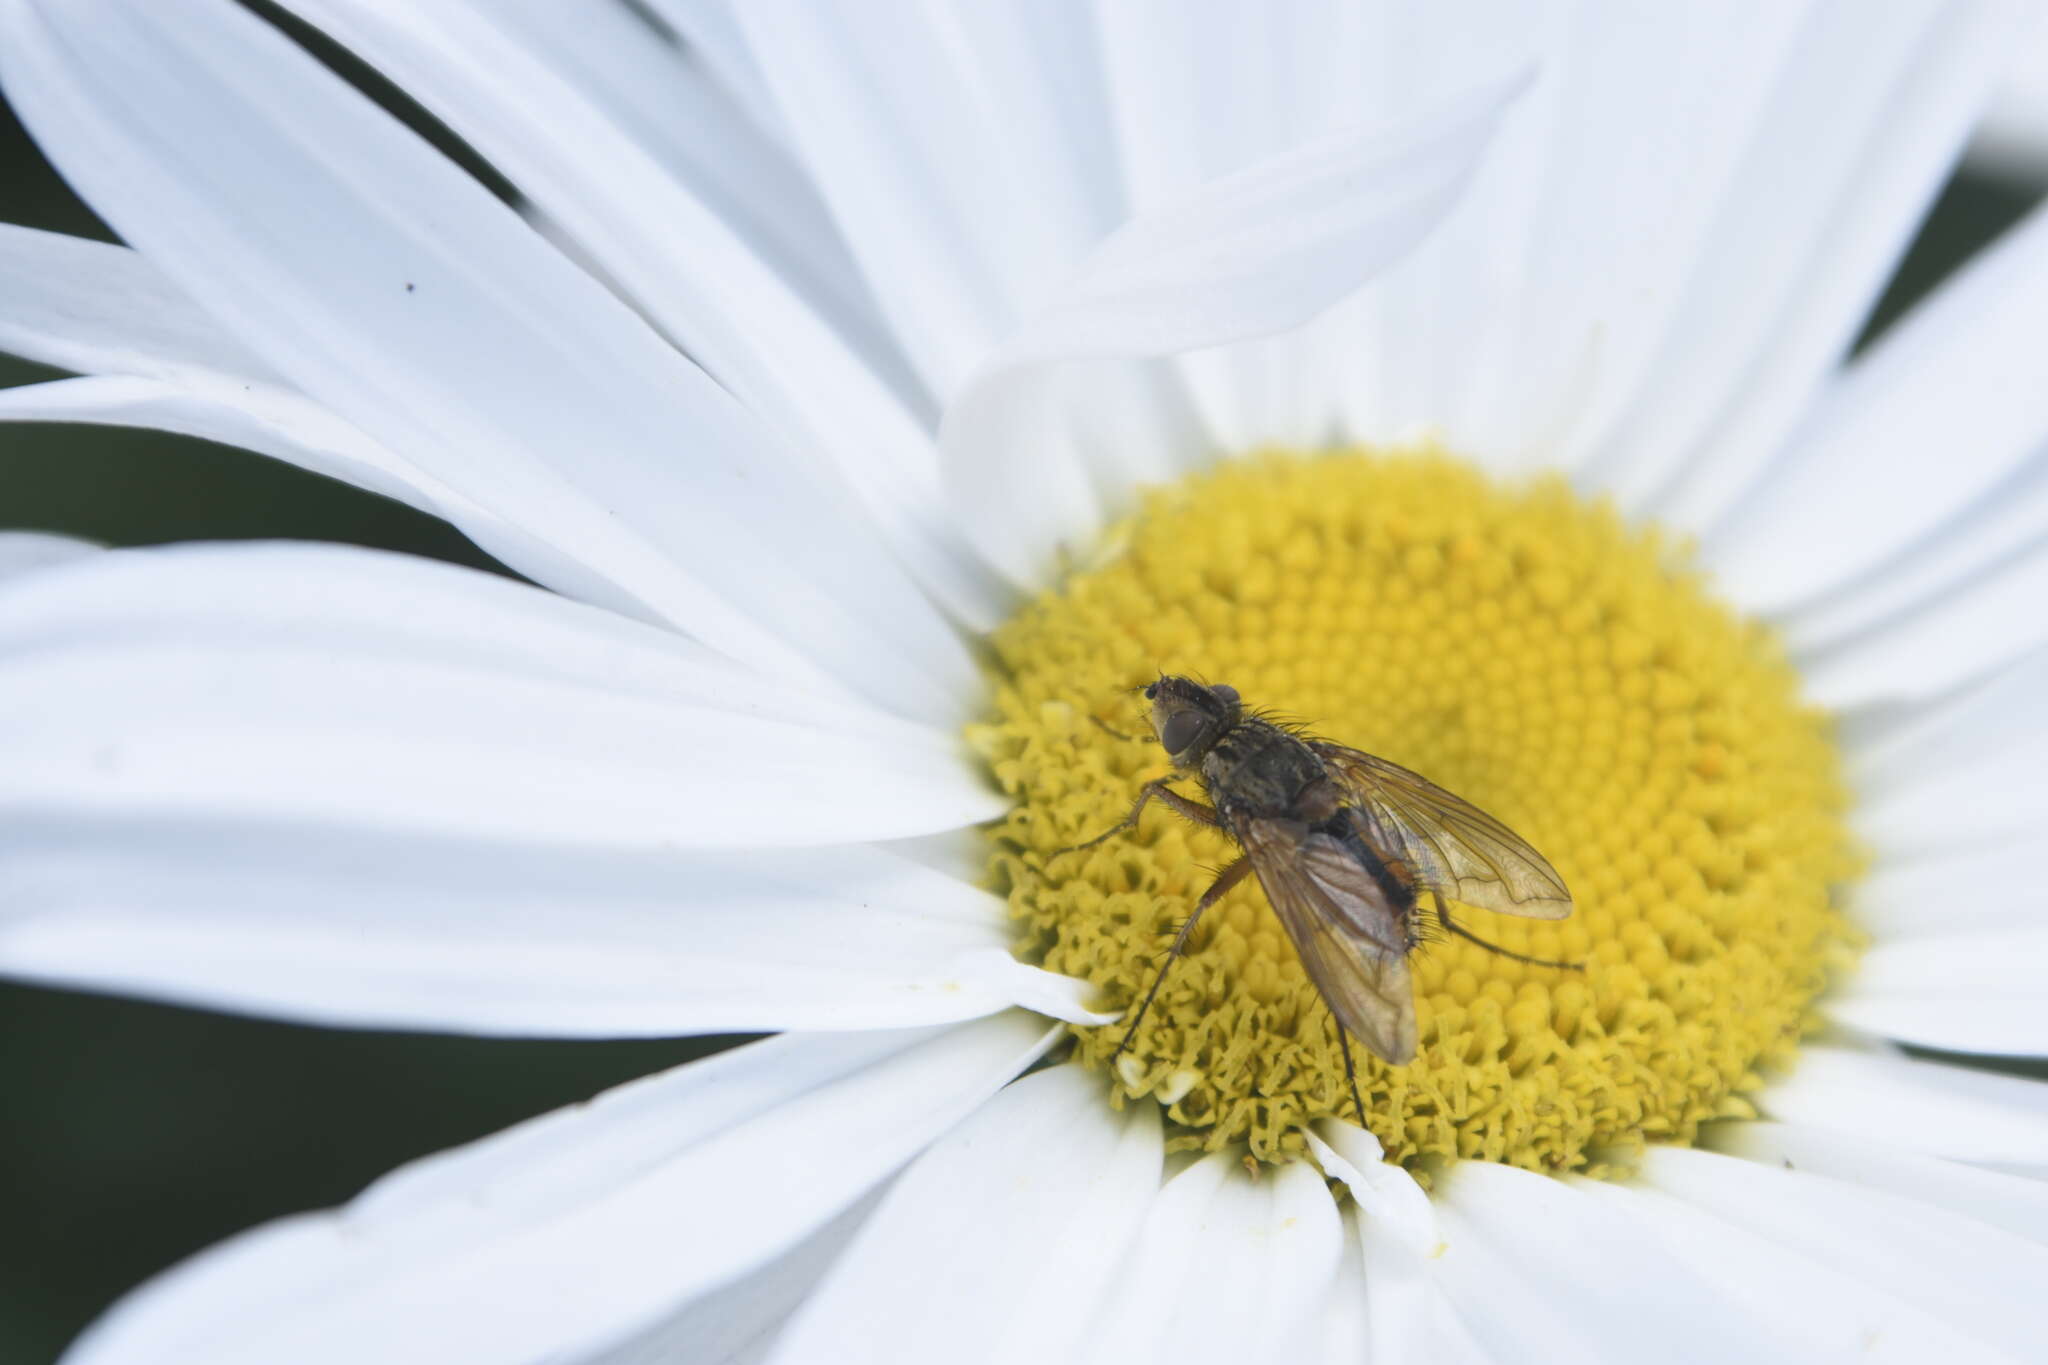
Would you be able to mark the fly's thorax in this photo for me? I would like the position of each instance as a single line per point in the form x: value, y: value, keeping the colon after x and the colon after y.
x: 1259, y: 768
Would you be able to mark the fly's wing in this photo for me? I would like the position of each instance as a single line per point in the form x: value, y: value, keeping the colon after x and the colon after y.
x: 1455, y: 848
x: 1351, y: 939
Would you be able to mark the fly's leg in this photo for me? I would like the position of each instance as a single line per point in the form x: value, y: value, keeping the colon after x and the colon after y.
x: 1350, y: 1070
x: 1111, y: 731
x: 1227, y: 878
x: 1443, y: 917
x: 1192, y: 810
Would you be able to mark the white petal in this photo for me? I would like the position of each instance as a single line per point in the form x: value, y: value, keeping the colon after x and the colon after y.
x: 1890, y: 748
x: 2012, y: 140
x: 712, y: 140
x: 95, y: 308
x: 387, y: 931
x: 28, y: 551
x: 571, y: 1231
x: 1398, y: 1240
x: 1639, y: 139
x: 738, y: 1324
x: 995, y: 1241
x: 1528, y: 1257
x: 1979, y: 1280
x: 1356, y: 201
x: 1918, y: 893
x: 961, y: 854
x: 1958, y: 772
x: 292, y: 428
x: 160, y: 362
x: 711, y: 32
x: 1345, y: 1331
x: 1432, y: 343
x: 1960, y: 991
x: 1864, y: 118
x: 104, y: 311
x: 955, y: 147
x: 1451, y: 1341
x: 1543, y: 325
x: 399, y: 293
x: 1277, y: 1243
x: 1964, y: 632
x: 1921, y: 582
x: 1973, y: 805
x: 2015, y: 1203
x: 277, y: 423
x: 1810, y: 1305
x: 375, y: 691
x: 687, y: 271
x: 1942, y: 418
x: 1254, y: 252
x: 1926, y: 1106
x: 1197, y: 91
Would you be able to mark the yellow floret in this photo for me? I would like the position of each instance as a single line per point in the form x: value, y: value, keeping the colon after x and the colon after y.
x: 1523, y: 648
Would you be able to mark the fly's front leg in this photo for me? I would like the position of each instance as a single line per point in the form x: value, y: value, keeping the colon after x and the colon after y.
x: 1192, y: 810
x: 1227, y: 878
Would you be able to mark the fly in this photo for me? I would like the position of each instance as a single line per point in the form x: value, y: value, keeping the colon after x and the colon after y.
x: 1345, y: 846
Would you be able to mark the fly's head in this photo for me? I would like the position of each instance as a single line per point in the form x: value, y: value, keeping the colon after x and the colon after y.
x: 1189, y: 717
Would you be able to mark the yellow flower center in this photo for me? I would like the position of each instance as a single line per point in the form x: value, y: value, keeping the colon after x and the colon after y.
x: 1517, y: 645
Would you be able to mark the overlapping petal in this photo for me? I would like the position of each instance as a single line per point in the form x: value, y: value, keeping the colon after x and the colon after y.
x: 152, y: 358
x: 1920, y: 1266
x: 362, y: 690
x: 1826, y: 194
x: 1907, y: 529
x: 1923, y: 1106
x: 695, y: 278
x: 102, y: 309
x: 734, y: 1325
x: 1748, y: 1249
x: 1952, y: 391
x: 997, y: 1241
x: 397, y: 930
x: 2018, y: 1204
x: 1398, y: 1240
x: 1264, y: 248
x: 394, y: 290
x: 26, y: 551
x: 1506, y: 1269
x: 955, y: 147
x: 573, y: 1231
x: 1278, y: 1243
x: 708, y: 124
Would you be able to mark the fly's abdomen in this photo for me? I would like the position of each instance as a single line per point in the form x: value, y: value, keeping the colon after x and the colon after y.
x: 1395, y: 880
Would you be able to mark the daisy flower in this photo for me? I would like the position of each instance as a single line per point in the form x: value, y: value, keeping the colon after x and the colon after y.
x: 875, y: 395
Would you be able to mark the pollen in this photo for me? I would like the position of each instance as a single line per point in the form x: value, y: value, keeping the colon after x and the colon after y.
x: 1527, y: 649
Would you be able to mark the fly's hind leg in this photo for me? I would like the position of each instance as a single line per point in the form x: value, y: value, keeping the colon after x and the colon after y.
x: 1227, y: 878
x: 1192, y: 810
x: 1443, y: 917
x: 1350, y: 1070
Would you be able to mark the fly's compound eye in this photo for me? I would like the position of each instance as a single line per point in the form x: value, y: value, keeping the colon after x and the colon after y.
x: 1151, y: 691
x: 1181, y: 731
x: 1225, y: 691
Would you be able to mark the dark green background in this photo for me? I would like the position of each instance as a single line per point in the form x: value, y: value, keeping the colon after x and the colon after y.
x: 132, y: 1135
